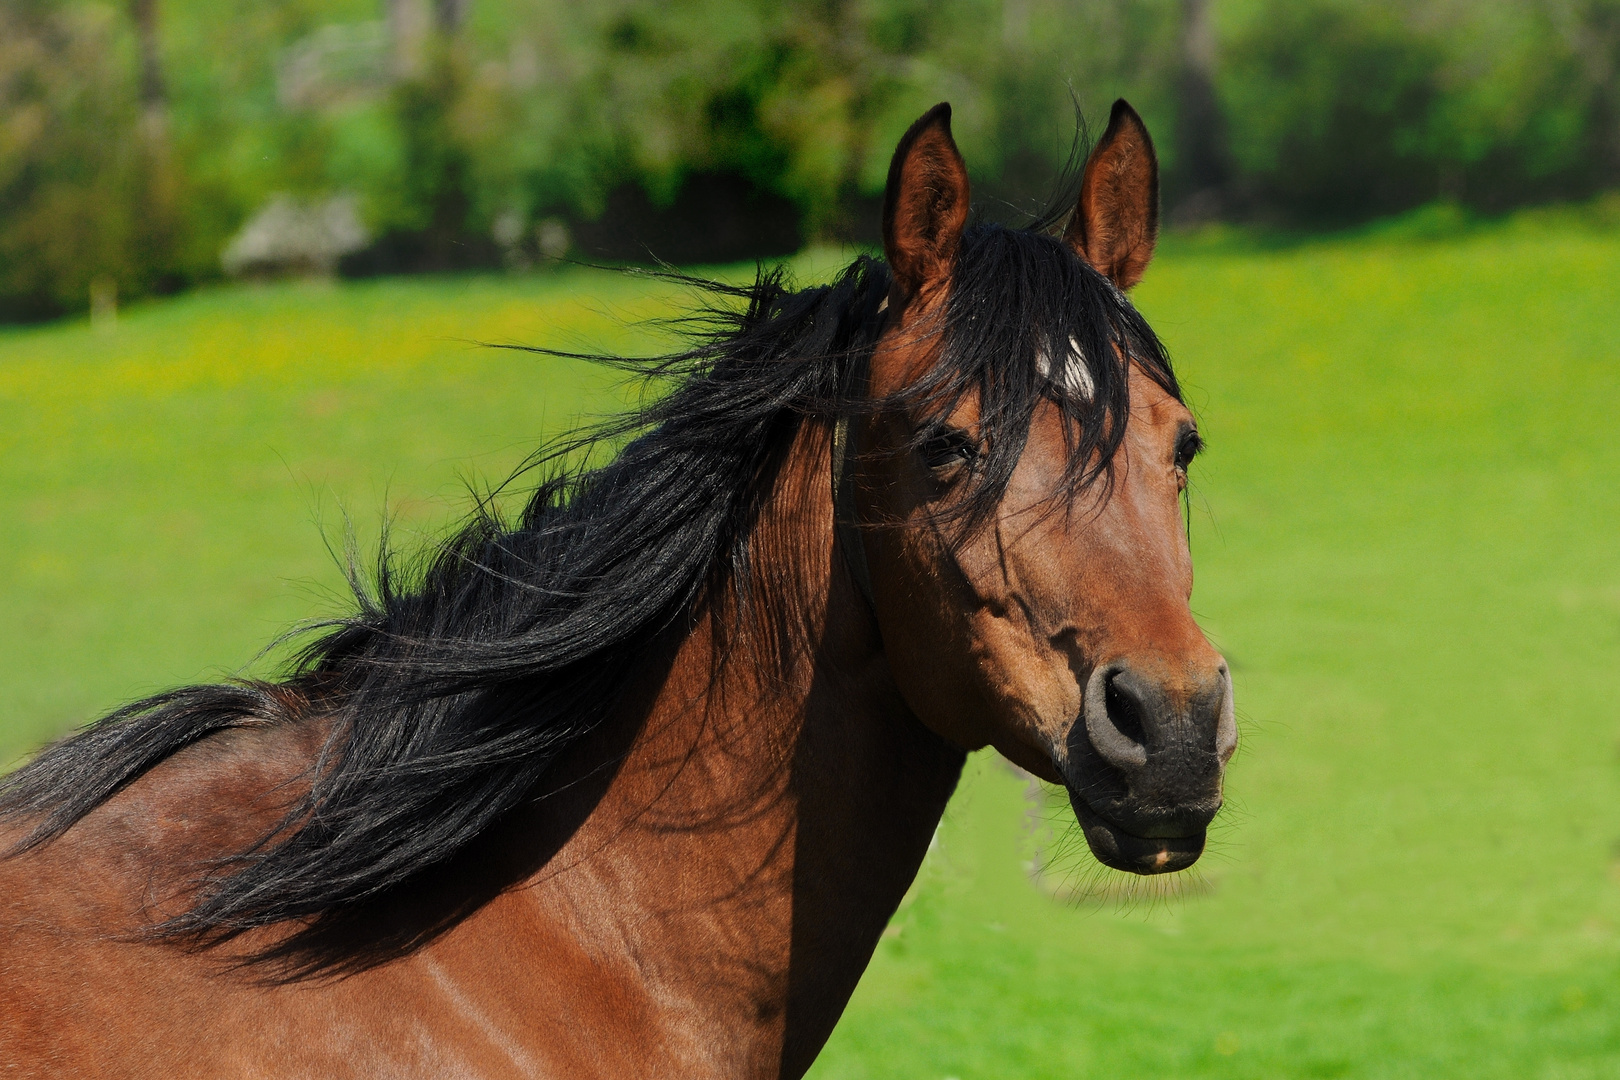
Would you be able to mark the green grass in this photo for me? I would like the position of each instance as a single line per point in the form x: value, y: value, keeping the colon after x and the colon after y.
x: 1405, y: 530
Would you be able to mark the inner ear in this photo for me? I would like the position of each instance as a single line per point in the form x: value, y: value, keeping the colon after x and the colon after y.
x: 1117, y: 222
x: 926, y: 203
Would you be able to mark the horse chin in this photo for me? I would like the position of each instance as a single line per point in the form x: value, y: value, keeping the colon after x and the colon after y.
x: 1121, y: 850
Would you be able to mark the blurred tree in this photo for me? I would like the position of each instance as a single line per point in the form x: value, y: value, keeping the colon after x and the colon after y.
x: 1341, y: 109
x: 68, y: 177
x: 1198, y: 187
x: 157, y: 213
x: 1590, y: 30
x: 802, y: 99
x: 427, y: 224
x: 137, y: 135
x: 1330, y: 105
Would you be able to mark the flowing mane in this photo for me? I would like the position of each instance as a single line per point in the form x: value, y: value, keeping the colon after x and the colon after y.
x: 459, y: 679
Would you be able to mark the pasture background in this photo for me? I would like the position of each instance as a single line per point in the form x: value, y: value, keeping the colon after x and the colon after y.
x: 1405, y: 534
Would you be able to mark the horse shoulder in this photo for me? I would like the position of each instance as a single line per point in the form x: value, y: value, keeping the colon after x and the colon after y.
x: 511, y: 991
x: 77, y: 980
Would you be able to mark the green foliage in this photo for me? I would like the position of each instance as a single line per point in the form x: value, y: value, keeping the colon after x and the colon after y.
x: 1344, y: 108
x: 804, y: 98
x: 94, y: 188
x: 69, y: 175
x: 1326, y: 110
x: 1364, y: 83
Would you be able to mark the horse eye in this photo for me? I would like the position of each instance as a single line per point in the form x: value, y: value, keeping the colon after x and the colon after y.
x: 948, y: 448
x: 1187, y: 448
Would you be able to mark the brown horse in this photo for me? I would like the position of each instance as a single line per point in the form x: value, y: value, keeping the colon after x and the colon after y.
x: 631, y: 786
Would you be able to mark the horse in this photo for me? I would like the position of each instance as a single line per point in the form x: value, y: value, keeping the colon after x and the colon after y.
x: 629, y: 784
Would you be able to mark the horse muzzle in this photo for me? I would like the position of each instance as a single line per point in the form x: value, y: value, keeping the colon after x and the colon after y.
x: 1146, y: 759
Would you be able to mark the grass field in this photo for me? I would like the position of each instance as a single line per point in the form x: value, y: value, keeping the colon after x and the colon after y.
x: 1406, y: 532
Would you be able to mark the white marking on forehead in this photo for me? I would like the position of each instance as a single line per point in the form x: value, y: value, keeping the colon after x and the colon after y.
x: 1073, y: 375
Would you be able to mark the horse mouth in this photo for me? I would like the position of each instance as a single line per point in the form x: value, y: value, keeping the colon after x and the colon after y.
x: 1115, y: 847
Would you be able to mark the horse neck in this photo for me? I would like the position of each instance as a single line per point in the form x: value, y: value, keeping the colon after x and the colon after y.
x: 776, y: 798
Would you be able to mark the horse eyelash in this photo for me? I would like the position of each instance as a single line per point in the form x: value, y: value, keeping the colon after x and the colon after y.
x: 940, y: 444
x: 1188, y: 447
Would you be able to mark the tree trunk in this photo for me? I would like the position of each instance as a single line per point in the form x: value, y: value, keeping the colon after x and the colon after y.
x: 1202, y: 169
x: 448, y: 15
x: 158, y: 226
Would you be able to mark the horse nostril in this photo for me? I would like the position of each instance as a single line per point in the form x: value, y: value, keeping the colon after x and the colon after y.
x: 1124, y: 710
x: 1115, y: 720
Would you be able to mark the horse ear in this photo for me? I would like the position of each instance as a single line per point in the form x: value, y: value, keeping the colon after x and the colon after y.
x: 926, y: 204
x: 1117, y: 222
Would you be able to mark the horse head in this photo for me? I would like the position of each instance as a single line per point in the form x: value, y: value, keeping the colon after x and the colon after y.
x: 1018, y: 482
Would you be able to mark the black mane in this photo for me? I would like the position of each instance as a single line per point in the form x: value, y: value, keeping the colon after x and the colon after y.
x: 457, y: 683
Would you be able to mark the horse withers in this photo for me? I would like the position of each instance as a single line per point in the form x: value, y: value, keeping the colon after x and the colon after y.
x: 630, y: 786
